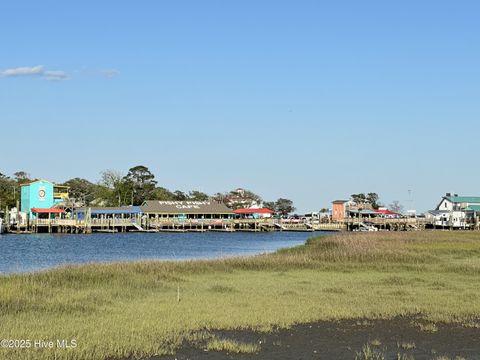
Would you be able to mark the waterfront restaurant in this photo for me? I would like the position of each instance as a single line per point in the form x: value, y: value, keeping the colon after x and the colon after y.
x: 42, y: 197
x: 123, y: 212
x: 186, y: 210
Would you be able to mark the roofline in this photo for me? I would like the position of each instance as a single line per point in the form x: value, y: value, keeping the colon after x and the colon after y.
x: 35, y: 181
x: 186, y: 212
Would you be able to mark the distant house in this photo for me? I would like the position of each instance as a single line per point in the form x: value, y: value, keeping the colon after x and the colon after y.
x: 240, y: 199
x: 457, y: 203
x: 342, y: 209
x: 443, y: 218
x: 454, y: 211
x: 40, y: 196
x: 339, y: 209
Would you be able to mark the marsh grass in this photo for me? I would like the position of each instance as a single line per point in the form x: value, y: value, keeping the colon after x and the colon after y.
x: 369, y: 353
x: 232, y: 346
x: 124, y: 310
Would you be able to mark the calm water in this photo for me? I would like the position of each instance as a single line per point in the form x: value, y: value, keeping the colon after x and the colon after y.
x: 23, y: 253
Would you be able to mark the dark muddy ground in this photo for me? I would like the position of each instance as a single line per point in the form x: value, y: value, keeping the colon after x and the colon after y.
x: 400, y: 338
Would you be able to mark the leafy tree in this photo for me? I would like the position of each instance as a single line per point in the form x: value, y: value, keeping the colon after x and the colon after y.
x: 362, y: 199
x: 195, y: 195
x: 113, y: 190
x: 269, y: 205
x: 141, y: 183
x: 8, y: 192
x: 284, y: 206
x: 180, y: 195
x: 372, y: 198
x: 220, y: 197
x: 163, y: 194
x: 359, y: 199
x: 81, y: 190
x: 21, y: 177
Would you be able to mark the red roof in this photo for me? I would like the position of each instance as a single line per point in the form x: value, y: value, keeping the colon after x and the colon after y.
x: 387, y: 212
x: 50, y: 210
x: 253, y: 211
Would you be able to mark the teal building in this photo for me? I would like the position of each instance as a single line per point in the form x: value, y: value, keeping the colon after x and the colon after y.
x: 41, y: 194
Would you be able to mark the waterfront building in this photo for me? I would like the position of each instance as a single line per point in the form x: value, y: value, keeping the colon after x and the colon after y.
x: 388, y: 214
x: 186, y: 210
x: 261, y: 213
x: 40, y: 196
x: 339, y: 210
x: 453, y: 202
x: 455, y: 211
x: 118, y: 212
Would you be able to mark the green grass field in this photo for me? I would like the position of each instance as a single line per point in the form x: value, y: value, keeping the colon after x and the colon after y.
x: 132, y: 309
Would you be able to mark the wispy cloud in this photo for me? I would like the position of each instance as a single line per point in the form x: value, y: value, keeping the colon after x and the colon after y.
x: 54, y: 75
x: 109, y: 73
x: 23, y: 71
x: 38, y: 70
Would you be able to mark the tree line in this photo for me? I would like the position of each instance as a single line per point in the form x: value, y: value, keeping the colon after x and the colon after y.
x: 372, y: 198
x: 133, y: 188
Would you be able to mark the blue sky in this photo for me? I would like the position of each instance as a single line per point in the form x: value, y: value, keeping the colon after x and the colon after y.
x: 309, y: 100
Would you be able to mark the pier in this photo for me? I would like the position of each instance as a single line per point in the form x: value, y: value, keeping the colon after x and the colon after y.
x: 141, y: 223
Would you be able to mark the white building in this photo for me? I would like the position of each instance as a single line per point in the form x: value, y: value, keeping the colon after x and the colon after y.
x: 446, y: 219
x: 454, y: 202
x: 454, y: 211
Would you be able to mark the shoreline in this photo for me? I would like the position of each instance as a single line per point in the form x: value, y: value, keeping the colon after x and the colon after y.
x: 58, y: 250
x: 403, y: 337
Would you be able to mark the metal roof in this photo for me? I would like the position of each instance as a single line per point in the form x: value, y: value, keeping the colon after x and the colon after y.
x: 36, y: 181
x: 254, y: 211
x: 185, y: 207
x: 439, y: 212
x: 463, y: 199
x: 475, y: 208
x: 112, y: 210
x: 47, y: 211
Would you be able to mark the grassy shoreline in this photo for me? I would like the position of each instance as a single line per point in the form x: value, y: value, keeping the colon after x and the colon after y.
x: 132, y: 310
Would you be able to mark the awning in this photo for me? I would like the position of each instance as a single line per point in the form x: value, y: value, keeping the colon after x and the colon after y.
x: 386, y: 212
x: 47, y: 211
x: 253, y: 211
x: 475, y: 208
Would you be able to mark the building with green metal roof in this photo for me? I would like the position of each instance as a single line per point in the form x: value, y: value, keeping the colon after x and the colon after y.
x: 457, y: 203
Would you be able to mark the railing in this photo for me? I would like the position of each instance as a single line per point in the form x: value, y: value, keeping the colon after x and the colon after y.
x: 381, y: 221
x: 82, y: 222
x: 190, y: 222
x: 112, y: 222
x: 63, y: 222
x: 60, y: 195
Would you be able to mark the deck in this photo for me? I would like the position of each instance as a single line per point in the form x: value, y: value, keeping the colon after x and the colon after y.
x: 142, y: 224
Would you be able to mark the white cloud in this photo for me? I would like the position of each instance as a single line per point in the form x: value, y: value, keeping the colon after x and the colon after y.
x: 23, y: 71
x: 109, y: 73
x: 54, y: 75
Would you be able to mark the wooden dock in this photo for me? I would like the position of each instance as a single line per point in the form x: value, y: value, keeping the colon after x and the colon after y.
x: 143, y: 224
